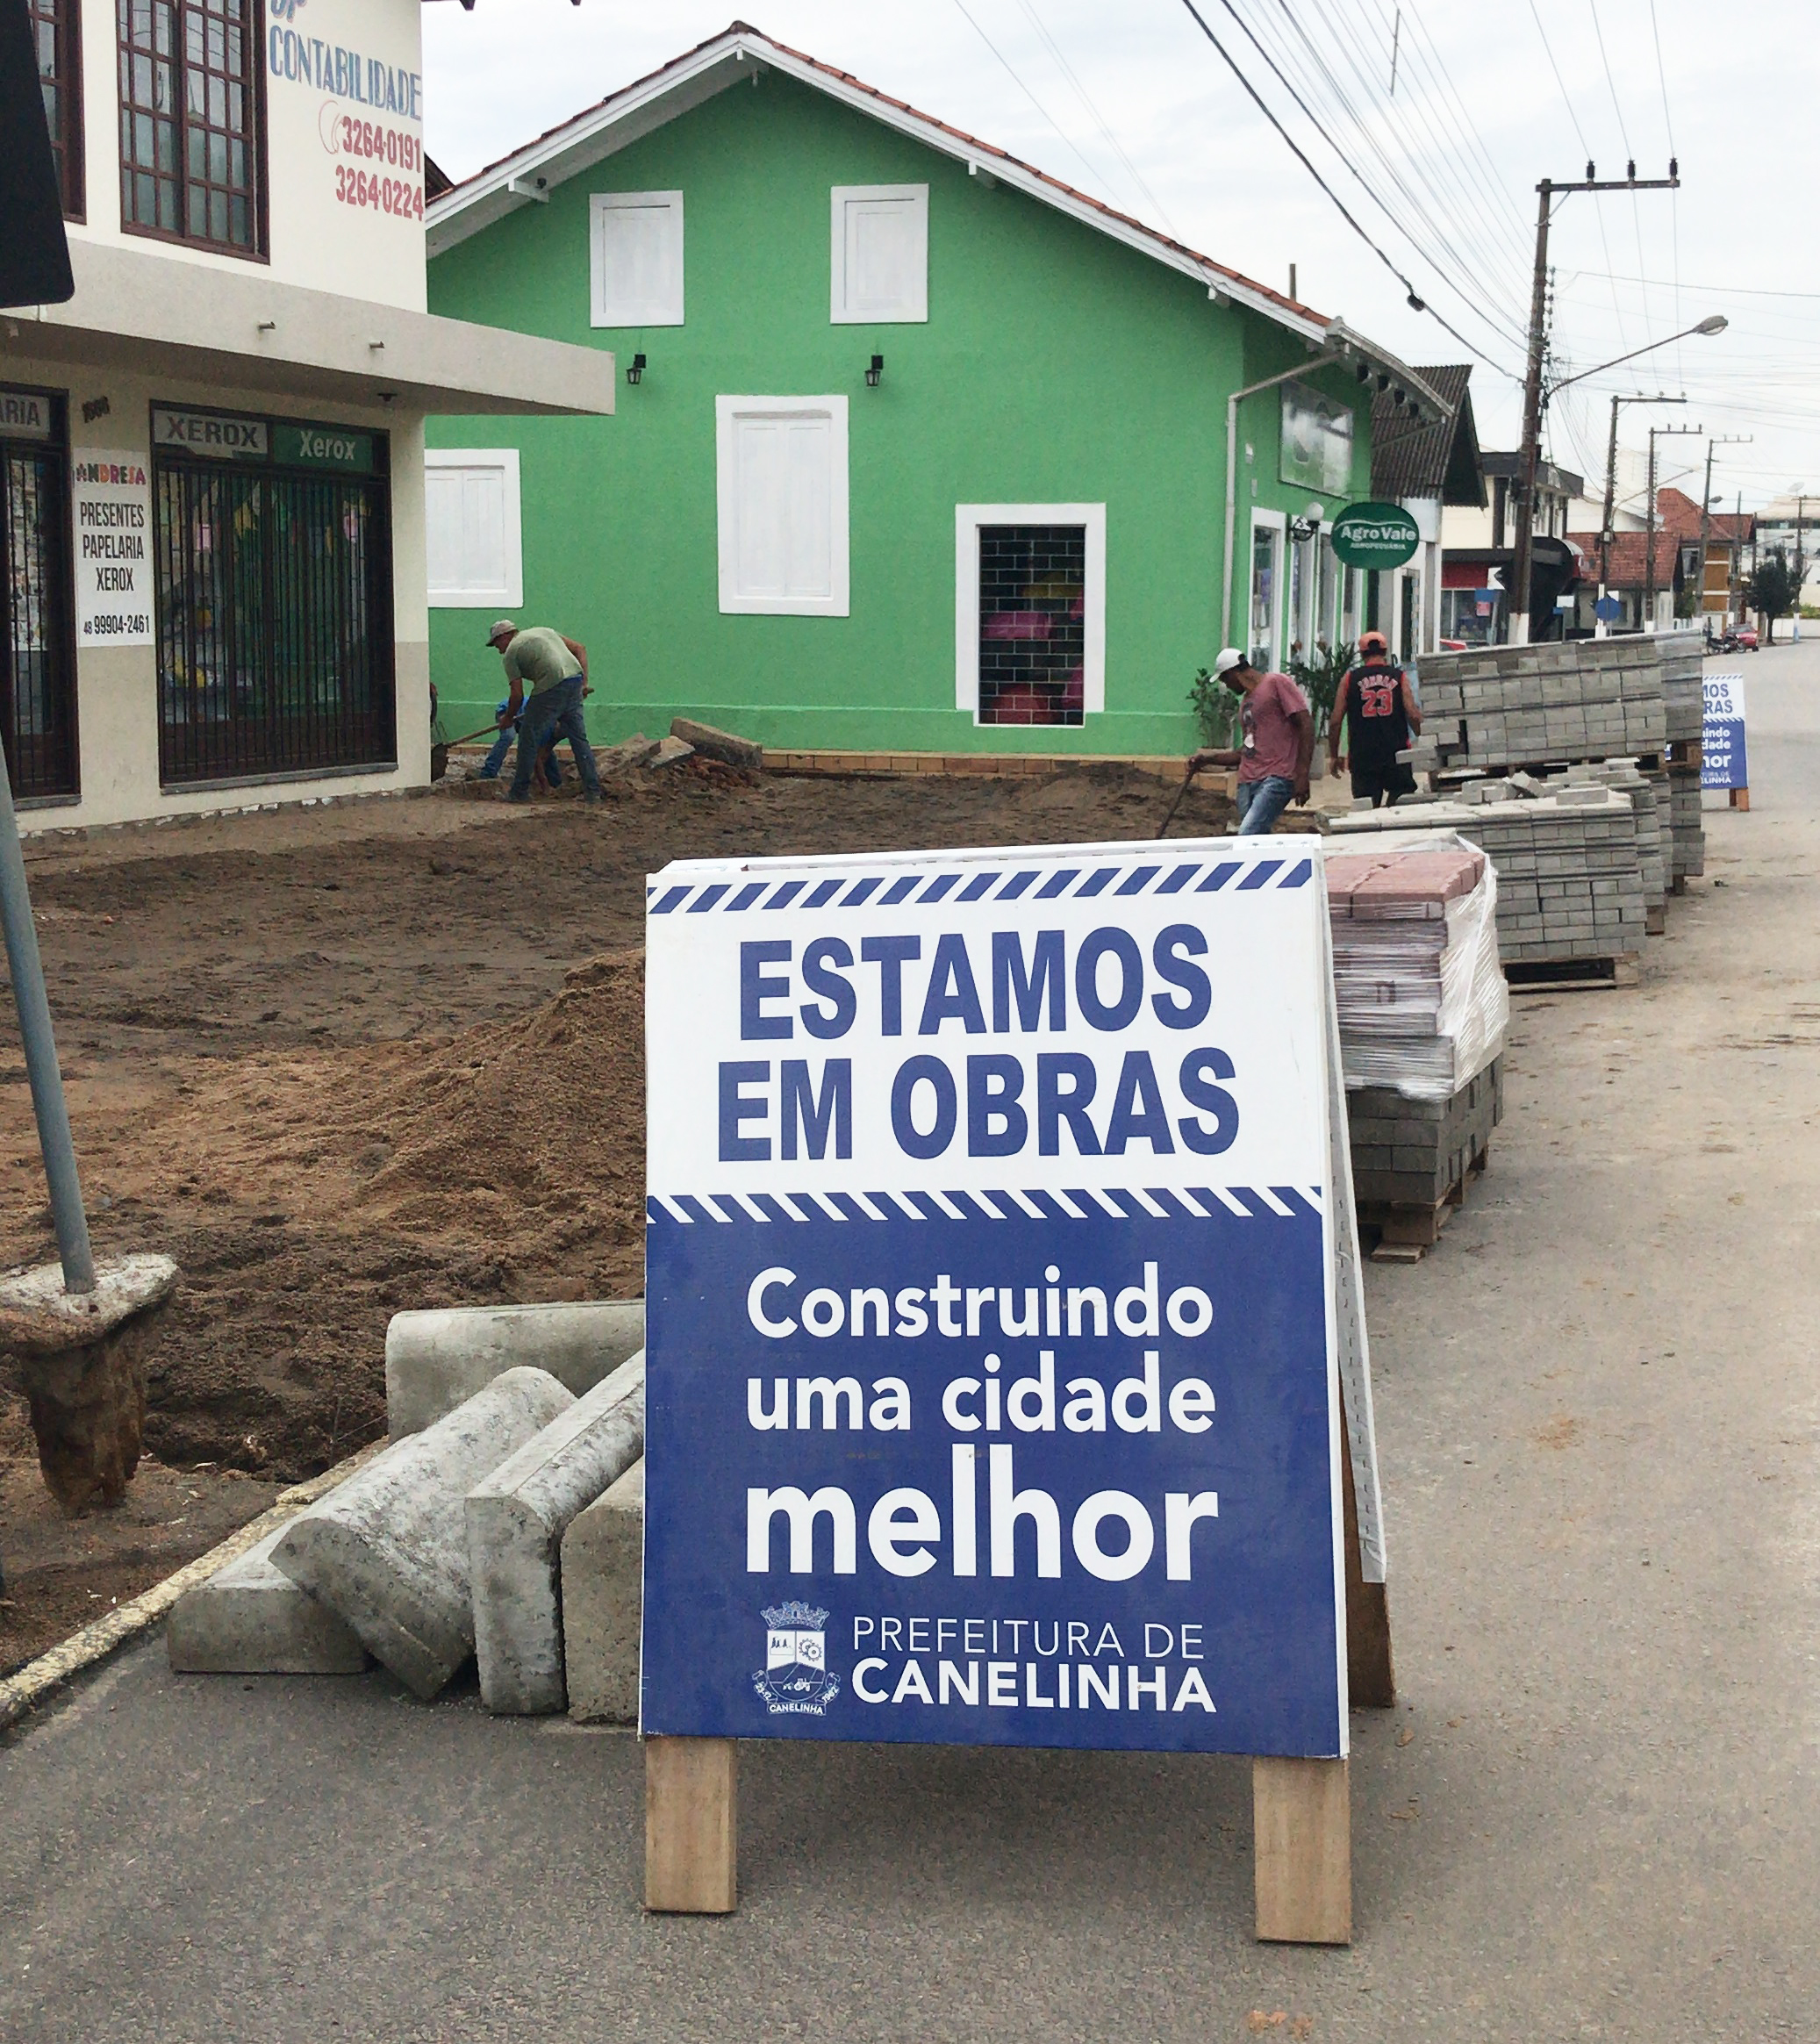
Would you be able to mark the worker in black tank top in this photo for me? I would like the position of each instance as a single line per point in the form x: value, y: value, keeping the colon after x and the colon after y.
x: 1377, y: 711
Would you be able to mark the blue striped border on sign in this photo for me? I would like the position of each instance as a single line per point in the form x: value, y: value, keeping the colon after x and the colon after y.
x: 977, y: 884
x: 1078, y: 1203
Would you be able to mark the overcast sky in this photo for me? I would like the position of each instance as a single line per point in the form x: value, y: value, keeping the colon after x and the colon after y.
x: 1132, y: 103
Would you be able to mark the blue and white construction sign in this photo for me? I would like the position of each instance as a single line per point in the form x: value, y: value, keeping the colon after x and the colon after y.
x: 1723, y: 761
x: 1001, y: 1281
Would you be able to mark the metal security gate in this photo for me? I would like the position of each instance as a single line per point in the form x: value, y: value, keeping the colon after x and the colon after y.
x: 274, y: 590
x: 37, y: 646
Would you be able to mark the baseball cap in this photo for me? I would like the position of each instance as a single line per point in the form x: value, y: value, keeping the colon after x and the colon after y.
x: 503, y: 628
x: 1367, y: 640
x: 1227, y: 659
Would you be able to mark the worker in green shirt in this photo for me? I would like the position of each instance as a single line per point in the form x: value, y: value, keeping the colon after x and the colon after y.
x: 547, y: 674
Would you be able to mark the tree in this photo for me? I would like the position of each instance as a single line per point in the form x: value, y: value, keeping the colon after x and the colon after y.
x: 1773, y: 591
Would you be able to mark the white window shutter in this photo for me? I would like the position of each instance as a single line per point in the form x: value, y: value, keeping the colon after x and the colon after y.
x: 783, y: 505
x: 879, y: 254
x: 472, y: 539
x: 636, y: 258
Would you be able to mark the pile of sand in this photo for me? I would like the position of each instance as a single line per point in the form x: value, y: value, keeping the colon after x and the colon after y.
x: 535, y: 1125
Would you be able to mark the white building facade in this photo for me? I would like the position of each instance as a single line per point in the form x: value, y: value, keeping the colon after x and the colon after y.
x: 211, y: 474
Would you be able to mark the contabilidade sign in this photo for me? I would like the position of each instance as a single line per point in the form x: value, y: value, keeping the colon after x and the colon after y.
x: 1375, y: 536
x: 995, y: 1327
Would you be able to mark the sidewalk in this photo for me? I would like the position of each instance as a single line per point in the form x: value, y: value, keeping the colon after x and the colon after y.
x: 1599, y: 1424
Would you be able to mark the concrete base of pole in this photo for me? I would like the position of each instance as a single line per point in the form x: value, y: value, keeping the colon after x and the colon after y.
x: 81, y: 1357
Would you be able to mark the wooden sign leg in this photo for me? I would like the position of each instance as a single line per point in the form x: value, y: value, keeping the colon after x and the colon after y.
x: 1370, y: 1677
x: 692, y: 1825
x: 1301, y: 1817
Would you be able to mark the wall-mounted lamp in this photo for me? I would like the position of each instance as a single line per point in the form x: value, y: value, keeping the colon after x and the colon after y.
x: 875, y: 368
x: 635, y: 369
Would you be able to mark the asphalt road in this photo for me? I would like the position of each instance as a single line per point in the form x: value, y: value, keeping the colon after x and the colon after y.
x: 1592, y: 1815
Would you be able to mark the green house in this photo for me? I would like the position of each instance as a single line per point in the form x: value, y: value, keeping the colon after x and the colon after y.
x: 919, y: 449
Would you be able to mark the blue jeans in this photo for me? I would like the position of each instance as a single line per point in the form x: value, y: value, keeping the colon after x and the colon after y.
x: 554, y: 713
x: 1260, y: 803
x: 496, y: 758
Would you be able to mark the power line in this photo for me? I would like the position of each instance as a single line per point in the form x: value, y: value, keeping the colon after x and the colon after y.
x: 1735, y: 290
x: 1098, y: 175
x: 1094, y: 114
x: 1450, y: 264
x: 1414, y: 298
x: 1473, y: 155
x: 1611, y: 84
x: 1598, y: 212
x: 1674, y: 207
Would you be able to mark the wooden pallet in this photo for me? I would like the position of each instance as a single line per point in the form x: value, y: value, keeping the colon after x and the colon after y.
x: 1685, y: 754
x: 1568, y: 975
x: 1407, y: 1232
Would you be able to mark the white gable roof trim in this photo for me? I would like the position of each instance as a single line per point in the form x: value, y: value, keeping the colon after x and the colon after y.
x: 740, y: 56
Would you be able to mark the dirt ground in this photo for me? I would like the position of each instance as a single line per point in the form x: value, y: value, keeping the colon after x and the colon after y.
x: 340, y: 1062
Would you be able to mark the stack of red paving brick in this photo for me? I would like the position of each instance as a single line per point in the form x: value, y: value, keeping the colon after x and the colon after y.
x: 1422, y: 1011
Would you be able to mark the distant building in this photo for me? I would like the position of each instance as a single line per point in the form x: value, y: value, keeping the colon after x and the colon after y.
x: 1630, y: 568
x: 1426, y: 465
x: 1792, y: 526
x: 1479, y: 551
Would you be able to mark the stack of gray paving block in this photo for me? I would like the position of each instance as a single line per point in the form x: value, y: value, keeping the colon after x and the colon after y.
x: 1570, y: 877
x: 1680, y: 655
x: 1689, y: 831
x: 1412, y: 1152
x: 1647, y: 796
x: 1509, y: 706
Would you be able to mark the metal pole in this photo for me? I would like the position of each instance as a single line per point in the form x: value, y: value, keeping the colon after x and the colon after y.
x: 41, y: 1069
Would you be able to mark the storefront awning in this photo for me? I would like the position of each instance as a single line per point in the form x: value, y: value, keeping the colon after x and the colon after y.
x: 241, y: 328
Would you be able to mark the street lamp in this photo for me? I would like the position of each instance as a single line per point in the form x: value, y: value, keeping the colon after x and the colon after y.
x: 1714, y: 322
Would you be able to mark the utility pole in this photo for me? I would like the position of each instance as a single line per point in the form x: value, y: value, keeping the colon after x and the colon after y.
x: 1706, y: 508
x: 1611, y: 473
x: 1534, y: 400
x: 1649, y: 550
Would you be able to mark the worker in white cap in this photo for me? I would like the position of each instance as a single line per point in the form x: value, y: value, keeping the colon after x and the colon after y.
x: 555, y: 669
x: 1276, y: 742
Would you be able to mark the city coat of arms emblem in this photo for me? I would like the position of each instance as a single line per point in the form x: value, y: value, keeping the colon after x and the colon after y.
x: 794, y: 1680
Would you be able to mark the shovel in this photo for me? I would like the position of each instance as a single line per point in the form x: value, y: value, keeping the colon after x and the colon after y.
x: 441, y: 751
x: 1187, y: 782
